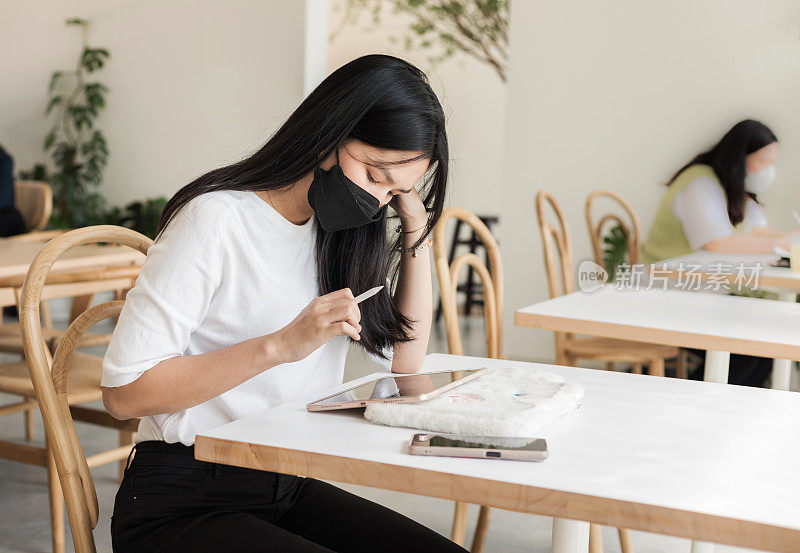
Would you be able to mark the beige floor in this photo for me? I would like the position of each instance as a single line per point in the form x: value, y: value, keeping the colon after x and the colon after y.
x: 24, y: 526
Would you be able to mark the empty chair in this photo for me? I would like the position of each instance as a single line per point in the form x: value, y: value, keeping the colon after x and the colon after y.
x: 491, y: 279
x: 34, y: 201
x: 631, y: 229
x: 557, y: 245
x: 65, y: 379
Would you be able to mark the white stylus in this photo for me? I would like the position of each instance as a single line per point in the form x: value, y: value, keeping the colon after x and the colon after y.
x: 796, y: 216
x: 368, y: 294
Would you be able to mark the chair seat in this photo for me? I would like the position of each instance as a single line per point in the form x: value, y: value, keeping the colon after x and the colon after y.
x: 11, y: 338
x: 612, y: 349
x: 83, y: 379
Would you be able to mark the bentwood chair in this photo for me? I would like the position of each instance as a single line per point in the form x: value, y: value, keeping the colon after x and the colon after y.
x: 62, y: 380
x: 14, y: 377
x: 34, y: 201
x: 632, y: 228
x: 492, y: 281
x: 623, y: 216
x: 101, y: 279
x: 557, y: 245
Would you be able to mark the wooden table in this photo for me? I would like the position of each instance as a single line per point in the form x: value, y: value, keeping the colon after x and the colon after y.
x: 785, y: 282
x: 17, y: 255
x: 677, y: 457
x: 720, y: 324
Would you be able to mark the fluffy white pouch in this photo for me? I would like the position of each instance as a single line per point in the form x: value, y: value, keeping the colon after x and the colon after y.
x: 507, y: 401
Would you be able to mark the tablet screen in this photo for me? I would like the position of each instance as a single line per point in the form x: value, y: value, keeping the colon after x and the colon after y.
x: 393, y: 387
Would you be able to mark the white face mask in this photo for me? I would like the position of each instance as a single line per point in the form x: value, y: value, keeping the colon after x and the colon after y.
x: 756, y: 183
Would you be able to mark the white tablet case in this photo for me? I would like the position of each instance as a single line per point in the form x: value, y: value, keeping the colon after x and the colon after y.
x: 507, y: 401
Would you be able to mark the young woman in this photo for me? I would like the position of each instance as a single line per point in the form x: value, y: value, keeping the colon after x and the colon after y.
x: 712, y: 201
x: 246, y: 302
x: 712, y: 204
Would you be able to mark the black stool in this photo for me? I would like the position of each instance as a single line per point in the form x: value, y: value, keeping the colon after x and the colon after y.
x: 473, y: 291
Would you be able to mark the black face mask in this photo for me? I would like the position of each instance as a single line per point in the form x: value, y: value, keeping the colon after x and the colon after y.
x: 339, y: 203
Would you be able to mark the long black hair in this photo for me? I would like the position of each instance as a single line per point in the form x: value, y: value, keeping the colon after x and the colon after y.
x: 385, y: 102
x: 727, y: 159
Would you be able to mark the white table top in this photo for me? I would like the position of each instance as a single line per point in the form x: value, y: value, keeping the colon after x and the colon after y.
x: 778, y: 277
x: 693, y: 459
x: 701, y: 320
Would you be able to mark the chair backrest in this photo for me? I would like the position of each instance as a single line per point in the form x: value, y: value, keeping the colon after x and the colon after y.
x: 34, y: 201
x: 557, y: 246
x: 632, y: 228
x: 491, y: 280
x: 50, y: 377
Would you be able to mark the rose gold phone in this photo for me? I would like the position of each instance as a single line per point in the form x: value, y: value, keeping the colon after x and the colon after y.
x: 397, y: 388
x: 515, y: 449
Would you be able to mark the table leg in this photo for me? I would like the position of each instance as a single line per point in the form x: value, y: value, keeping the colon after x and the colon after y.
x: 782, y: 368
x: 570, y: 536
x: 702, y: 547
x: 717, y: 364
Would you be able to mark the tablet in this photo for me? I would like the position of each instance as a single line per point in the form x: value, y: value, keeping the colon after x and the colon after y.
x: 399, y: 388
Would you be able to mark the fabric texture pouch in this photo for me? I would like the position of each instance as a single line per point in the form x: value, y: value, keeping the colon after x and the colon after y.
x: 508, y: 401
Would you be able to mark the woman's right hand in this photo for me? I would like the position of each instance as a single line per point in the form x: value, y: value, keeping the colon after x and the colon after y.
x: 324, y: 318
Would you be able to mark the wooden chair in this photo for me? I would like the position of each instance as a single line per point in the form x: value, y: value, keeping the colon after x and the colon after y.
x: 632, y: 229
x: 34, y: 201
x: 91, y: 282
x: 557, y: 241
x: 63, y: 380
x: 492, y: 281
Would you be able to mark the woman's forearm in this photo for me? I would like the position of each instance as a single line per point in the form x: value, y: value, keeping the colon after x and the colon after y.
x: 414, y: 298
x: 767, y: 231
x: 185, y: 381
x: 747, y: 243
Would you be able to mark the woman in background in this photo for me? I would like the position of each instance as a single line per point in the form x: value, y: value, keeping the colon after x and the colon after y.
x: 712, y: 204
x: 712, y: 201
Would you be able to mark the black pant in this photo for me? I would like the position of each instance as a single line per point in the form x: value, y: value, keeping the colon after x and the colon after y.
x: 169, y: 502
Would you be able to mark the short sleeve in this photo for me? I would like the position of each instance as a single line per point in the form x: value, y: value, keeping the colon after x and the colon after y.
x: 170, y: 298
x: 754, y: 215
x: 702, y: 209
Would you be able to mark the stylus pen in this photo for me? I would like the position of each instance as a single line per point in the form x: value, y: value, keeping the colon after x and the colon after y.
x: 368, y: 294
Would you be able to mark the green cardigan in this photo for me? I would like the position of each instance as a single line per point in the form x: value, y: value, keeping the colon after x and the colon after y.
x: 666, y: 238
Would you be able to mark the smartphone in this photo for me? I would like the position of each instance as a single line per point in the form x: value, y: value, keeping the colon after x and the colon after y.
x: 515, y: 449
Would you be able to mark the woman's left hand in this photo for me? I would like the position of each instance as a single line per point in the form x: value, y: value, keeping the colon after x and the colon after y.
x: 410, y: 208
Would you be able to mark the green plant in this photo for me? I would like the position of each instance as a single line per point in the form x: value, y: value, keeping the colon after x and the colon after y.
x: 141, y: 216
x: 615, y: 248
x: 478, y: 28
x: 78, y: 150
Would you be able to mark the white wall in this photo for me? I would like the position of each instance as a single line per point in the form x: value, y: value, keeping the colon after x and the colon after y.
x: 317, y: 29
x: 194, y: 85
x: 472, y: 95
x: 621, y: 93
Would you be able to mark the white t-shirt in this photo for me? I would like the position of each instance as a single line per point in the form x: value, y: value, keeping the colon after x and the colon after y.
x: 228, y: 268
x: 702, y: 209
